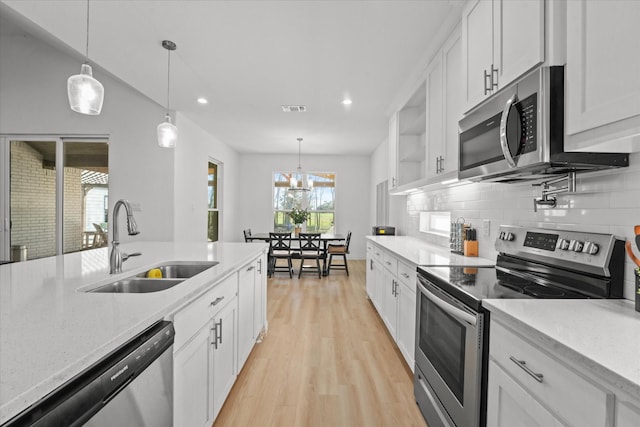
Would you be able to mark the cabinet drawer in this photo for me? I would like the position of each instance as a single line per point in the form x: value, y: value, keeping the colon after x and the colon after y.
x: 188, y: 320
x: 376, y: 252
x: 562, y: 390
x: 407, y: 274
x: 390, y: 263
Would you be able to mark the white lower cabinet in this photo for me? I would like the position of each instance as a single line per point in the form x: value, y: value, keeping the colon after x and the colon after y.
x: 214, y: 335
x: 512, y: 405
x: 392, y: 290
x: 193, y: 381
x: 528, y: 385
x: 225, y: 333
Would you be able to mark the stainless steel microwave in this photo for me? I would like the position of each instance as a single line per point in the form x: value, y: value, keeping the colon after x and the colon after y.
x: 519, y: 134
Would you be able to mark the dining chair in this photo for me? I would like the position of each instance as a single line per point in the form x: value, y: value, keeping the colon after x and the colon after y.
x: 247, y: 235
x: 340, y: 250
x: 310, y: 249
x: 100, y: 239
x: 280, y: 248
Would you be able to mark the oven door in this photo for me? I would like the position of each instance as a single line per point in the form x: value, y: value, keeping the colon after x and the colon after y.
x: 449, y: 346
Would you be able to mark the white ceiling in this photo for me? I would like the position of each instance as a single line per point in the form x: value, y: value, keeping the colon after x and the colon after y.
x: 250, y: 57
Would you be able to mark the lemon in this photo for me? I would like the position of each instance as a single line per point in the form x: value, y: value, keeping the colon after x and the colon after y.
x: 155, y: 273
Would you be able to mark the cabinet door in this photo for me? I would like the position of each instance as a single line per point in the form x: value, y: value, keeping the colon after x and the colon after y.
x: 477, y: 45
x: 193, y: 381
x: 392, y: 172
x: 452, y: 101
x: 508, y: 404
x: 224, y: 354
x: 434, y: 115
x: 246, y: 311
x: 260, y: 307
x: 407, y: 323
x: 389, y: 302
x: 369, y: 276
x: 378, y: 284
x: 603, y: 65
x: 518, y: 41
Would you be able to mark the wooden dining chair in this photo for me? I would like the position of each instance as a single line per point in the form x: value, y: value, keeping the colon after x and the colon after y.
x: 247, y: 235
x: 340, y: 250
x: 310, y: 250
x: 280, y: 248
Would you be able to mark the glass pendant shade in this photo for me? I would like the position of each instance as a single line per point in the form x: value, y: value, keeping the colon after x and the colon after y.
x: 86, y: 94
x: 167, y: 133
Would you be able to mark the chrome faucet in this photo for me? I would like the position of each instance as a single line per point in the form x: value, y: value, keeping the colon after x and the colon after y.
x: 117, y: 258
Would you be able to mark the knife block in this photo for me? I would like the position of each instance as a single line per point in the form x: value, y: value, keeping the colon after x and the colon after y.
x: 470, y: 248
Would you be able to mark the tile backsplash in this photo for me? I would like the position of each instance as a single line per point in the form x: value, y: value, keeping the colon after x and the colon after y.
x: 604, y: 202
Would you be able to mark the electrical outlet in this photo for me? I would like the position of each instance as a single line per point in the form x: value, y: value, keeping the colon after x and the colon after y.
x: 486, y: 227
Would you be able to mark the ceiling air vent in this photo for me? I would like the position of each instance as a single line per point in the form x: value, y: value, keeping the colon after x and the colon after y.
x: 294, y: 108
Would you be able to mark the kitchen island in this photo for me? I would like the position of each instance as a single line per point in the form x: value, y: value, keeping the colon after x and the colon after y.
x: 51, y: 329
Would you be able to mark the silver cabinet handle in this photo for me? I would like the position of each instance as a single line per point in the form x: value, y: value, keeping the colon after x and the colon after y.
x: 260, y: 266
x: 487, y: 87
x: 521, y: 363
x: 494, y: 83
x: 219, y: 334
x: 405, y: 275
x: 370, y: 264
x: 216, y: 301
x: 504, y: 143
x: 250, y: 268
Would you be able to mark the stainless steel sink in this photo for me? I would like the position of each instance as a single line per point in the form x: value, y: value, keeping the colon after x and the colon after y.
x: 137, y: 285
x: 173, y: 273
x: 181, y: 269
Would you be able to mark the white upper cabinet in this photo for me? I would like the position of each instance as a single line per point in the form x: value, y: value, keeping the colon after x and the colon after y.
x: 603, y: 76
x: 501, y: 40
x: 444, y: 107
x: 393, y: 152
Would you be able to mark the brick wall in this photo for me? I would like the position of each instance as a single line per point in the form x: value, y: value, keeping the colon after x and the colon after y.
x: 33, y: 204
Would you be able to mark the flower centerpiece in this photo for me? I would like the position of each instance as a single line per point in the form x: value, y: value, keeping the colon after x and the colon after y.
x: 298, y: 216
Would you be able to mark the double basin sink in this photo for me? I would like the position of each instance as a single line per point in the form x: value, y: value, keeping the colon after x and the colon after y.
x: 158, y: 278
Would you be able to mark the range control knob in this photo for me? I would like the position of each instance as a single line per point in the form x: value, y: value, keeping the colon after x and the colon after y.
x: 563, y: 244
x: 576, y: 245
x: 591, y: 248
x: 509, y: 237
x: 501, y: 236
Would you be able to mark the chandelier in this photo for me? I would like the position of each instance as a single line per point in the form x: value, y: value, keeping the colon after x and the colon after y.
x: 299, y: 181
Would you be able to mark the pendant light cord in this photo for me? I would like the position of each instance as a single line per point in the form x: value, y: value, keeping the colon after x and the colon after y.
x: 168, y: 76
x: 87, y: 47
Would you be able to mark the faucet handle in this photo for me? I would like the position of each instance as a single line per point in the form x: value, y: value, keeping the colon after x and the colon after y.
x: 127, y: 256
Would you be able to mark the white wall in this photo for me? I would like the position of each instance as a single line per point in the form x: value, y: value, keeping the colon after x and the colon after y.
x: 167, y: 184
x: 352, y: 192
x: 193, y: 151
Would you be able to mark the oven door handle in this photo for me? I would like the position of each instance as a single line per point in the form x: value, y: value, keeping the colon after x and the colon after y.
x: 450, y: 309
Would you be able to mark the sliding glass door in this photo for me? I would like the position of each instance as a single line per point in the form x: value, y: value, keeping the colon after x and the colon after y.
x: 53, y: 196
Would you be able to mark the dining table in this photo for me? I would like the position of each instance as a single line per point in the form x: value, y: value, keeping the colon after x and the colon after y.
x: 325, y: 238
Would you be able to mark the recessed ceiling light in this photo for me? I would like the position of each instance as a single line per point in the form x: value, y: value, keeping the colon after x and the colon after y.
x: 347, y: 101
x: 202, y: 100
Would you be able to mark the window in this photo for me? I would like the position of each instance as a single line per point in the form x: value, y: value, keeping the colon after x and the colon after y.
x: 53, y: 193
x: 212, y: 208
x: 320, y: 202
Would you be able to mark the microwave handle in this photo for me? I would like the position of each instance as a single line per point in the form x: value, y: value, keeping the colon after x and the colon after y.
x: 448, y: 308
x: 503, y: 131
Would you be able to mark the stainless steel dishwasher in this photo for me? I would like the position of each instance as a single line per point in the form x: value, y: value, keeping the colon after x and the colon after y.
x: 132, y: 386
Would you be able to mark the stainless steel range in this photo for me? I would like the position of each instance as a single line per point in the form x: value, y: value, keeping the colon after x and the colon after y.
x: 453, y: 329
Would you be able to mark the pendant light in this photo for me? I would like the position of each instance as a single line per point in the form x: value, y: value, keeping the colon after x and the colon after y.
x: 297, y: 181
x: 167, y: 131
x: 85, y: 93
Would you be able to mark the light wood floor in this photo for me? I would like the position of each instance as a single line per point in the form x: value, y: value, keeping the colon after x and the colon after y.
x: 327, y: 360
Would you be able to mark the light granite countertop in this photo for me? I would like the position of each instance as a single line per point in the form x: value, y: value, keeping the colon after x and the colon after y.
x: 601, y: 336
x: 51, y: 330
x: 419, y: 252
